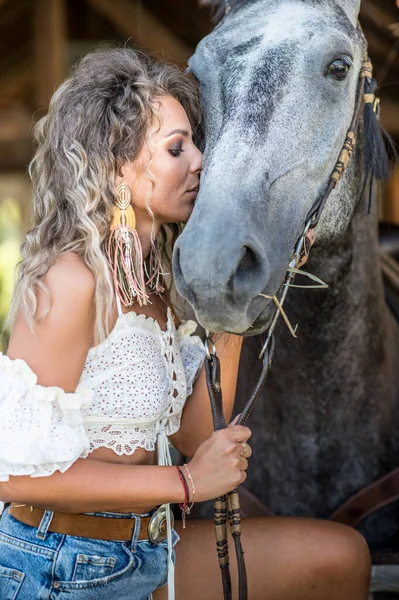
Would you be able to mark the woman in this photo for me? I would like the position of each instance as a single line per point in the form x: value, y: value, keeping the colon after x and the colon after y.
x: 99, y: 373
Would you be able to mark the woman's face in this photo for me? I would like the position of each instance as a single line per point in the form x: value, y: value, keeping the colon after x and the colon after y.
x: 173, y: 161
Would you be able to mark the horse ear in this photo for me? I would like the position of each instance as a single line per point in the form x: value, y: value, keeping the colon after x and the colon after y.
x: 212, y: 3
x: 352, y: 9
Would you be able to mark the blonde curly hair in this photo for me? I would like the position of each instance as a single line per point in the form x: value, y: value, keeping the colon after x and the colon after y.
x: 98, y: 119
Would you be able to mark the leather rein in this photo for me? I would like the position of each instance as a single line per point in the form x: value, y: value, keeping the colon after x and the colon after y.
x: 227, y: 507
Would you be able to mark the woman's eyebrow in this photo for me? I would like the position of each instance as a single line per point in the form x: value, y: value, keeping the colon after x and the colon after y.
x: 183, y: 132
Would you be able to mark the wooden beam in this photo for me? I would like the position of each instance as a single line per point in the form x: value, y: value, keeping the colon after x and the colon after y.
x: 379, y: 51
x: 49, y: 48
x: 137, y: 23
x: 14, y: 86
x: 392, y: 198
x: 379, y: 17
x: 390, y: 117
x: 15, y: 138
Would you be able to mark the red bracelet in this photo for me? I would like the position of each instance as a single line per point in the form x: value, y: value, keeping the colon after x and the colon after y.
x: 183, y: 506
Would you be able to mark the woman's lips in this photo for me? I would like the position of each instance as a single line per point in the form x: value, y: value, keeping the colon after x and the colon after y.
x: 192, y: 193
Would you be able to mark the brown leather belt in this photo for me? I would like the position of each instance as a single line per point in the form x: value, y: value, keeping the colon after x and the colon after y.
x: 87, y: 526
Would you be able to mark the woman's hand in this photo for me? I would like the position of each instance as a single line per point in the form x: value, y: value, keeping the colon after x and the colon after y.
x: 219, y: 466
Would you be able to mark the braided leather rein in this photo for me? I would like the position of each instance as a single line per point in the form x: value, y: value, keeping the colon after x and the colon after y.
x: 228, y: 506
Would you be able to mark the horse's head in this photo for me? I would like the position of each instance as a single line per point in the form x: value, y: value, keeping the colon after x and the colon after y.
x: 278, y: 86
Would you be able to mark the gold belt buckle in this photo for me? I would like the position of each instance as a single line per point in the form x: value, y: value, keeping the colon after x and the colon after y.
x: 157, y: 527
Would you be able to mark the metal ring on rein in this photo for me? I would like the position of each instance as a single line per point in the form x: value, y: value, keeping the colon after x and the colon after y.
x: 209, y: 342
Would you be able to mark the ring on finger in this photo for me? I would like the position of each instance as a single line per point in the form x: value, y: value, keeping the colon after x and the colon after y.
x: 246, y: 451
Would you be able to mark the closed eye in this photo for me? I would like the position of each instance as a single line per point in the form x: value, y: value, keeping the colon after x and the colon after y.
x: 176, y: 151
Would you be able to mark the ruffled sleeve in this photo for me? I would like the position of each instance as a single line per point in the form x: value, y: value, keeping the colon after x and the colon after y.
x: 41, y: 428
x: 192, y: 352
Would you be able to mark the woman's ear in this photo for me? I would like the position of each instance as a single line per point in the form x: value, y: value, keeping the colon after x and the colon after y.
x: 119, y: 174
x: 126, y: 173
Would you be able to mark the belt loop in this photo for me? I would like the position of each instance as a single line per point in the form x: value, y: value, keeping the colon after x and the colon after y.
x: 136, y: 533
x: 44, y: 524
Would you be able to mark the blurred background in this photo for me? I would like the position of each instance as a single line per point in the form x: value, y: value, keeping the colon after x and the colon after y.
x: 41, y: 39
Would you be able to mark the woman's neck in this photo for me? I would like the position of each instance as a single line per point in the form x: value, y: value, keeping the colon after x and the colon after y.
x: 144, y: 227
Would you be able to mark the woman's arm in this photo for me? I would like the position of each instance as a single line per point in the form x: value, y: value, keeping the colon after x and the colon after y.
x: 197, y: 423
x: 90, y: 486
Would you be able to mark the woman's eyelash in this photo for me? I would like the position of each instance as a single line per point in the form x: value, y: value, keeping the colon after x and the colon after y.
x: 176, y: 151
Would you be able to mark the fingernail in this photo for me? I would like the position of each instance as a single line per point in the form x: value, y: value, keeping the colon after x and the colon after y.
x: 234, y: 421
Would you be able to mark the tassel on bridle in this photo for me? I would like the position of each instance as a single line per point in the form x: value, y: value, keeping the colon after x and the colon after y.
x: 378, y: 143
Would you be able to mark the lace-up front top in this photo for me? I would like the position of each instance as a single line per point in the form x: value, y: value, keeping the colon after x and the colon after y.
x: 149, y: 372
x: 130, y: 395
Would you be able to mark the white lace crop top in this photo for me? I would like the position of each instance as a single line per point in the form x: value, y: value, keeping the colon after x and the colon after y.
x: 130, y: 395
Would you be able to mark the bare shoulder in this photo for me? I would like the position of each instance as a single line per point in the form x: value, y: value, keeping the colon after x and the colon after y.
x: 57, y: 346
x: 70, y: 276
x: 71, y: 285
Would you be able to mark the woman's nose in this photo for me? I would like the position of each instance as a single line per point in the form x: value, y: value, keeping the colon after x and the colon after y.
x: 196, y: 164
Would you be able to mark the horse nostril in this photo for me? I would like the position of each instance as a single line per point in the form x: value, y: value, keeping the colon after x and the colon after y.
x: 248, y: 260
x: 177, y: 270
x: 249, y: 269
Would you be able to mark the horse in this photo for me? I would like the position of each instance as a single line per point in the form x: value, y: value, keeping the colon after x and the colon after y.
x: 278, y: 82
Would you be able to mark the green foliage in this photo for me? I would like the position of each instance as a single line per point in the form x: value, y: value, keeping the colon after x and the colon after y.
x: 10, y: 233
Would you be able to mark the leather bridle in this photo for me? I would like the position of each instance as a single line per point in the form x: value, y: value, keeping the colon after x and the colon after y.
x: 228, y: 506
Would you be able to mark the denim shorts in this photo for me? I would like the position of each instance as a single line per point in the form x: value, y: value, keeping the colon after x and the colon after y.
x: 36, y: 564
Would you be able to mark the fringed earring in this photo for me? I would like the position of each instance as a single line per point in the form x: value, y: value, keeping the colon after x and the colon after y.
x: 153, y: 271
x: 124, y: 252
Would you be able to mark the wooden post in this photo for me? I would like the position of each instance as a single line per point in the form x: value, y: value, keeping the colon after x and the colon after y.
x: 136, y: 22
x: 50, y: 32
x: 392, y: 198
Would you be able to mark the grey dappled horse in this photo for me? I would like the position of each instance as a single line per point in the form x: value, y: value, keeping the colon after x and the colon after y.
x: 327, y: 423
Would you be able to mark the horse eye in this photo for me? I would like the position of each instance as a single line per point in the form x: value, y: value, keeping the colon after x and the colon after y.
x: 338, y: 69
